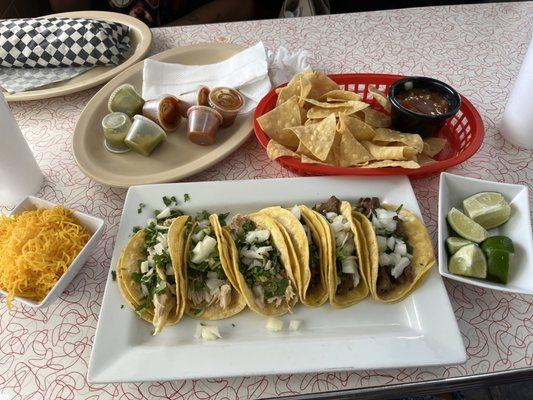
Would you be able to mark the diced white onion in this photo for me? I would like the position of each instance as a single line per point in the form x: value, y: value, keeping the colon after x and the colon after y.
x: 144, y: 290
x: 264, y: 250
x: 274, y: 324
x: 159, y: 249
x: 202, y: 249
x: 151, y: 221
x: 398, y: 268
x: 391, y: 242
x: 400, y: 248
x: 257, y: 236
x: 213, y: 283
x: 294, y: 324
x: 162, y: 239
x: 268, y: 265
x: 384, y: 260
x: 296, y: 212
x: 250, y: 254
x: 198, y: 236
x: 207, y: 332
x: 162, y: 227
x: 212, y: 275
x: 331, y: 216
x: 349, y: 265
x: 204, y: 223
x: 382, y: 243
x: 165, y: 213
x: 394, y: 258
x: 170, y: 270
x: 144, y: 267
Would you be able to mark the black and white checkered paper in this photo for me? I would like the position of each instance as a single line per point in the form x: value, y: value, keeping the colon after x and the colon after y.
x: 38, y: 52
x: 61, y: 42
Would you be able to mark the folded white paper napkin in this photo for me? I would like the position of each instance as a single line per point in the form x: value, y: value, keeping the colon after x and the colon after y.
x: 246, y: 71
x: 251, y: 72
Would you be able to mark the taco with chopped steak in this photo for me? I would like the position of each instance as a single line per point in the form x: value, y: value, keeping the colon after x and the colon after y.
x: 208, y: 288
x: 146, y: 272
x: 261, y: 263
x: 399, y: 247
x: 310, y: 256
x: 347, y: 253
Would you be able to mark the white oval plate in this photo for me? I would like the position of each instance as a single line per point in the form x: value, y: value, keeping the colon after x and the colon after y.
x: 175, y: 159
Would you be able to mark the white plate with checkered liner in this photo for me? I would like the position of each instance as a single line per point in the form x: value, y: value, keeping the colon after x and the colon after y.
x: 140, y: 41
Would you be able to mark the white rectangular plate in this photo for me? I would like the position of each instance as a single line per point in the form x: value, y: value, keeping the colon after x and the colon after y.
x: 418, y: 331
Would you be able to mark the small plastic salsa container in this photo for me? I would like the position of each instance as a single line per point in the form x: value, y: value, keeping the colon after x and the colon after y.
x: 407, y: 120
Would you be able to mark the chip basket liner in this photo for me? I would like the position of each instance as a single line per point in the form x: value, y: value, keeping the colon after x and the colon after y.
x: 464, y: 132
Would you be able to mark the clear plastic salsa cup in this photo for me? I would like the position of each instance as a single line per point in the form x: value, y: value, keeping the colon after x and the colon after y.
x: 406, y: 119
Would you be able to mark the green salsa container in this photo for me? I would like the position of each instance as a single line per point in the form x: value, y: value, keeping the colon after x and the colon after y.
x: 116, y: 126
x: 125, y: 99
x: 144, y: 135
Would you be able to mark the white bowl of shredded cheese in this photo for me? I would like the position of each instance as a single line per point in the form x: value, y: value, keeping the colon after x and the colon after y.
x: 26, y: 268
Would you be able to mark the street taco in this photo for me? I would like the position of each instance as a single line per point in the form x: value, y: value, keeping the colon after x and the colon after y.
x: 347, y: 254
x: 262, y: 264
x: 310, y: 262
x: 399, y: 247
x: 147, y: 275
x: 208, y: 286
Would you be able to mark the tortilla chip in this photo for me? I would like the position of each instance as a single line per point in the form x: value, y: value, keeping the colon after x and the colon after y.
x: 276, y: 150
x: 351, y: 152
x: 318, y: 138
x: 321, y: 83
x: 389, y: 152
x: 380, y: 97
x: 424, y: 159
x: 433, y: 146
x: 374, y: 118
x: 385, y: 136
x: 332, y: 105
x: 321, y: 112
x: 340, y: 95
x: 283, y: 116
x: 359, y: 129
x: 308, y: 160
x: 409, y: 164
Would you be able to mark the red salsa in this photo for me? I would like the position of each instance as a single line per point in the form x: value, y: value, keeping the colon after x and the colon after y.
x: 424, y: 101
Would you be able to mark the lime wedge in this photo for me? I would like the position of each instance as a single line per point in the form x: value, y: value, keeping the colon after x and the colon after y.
x: 466, y: 227
x: 488, y: 209
x: 498, y: 243
x: 469, y: 261
x: 454, y: 243
x: 498, y: 265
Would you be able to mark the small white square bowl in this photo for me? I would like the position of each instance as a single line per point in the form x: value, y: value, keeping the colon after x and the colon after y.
x: 453, y: 189
x: 93, y: 224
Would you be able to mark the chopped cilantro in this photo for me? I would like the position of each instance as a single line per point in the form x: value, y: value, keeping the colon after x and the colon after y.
x: 233, y: 325
x: 202, y: 215
x: 196, y: 311
x: 136, y: 229
x: 140, y: 308
x: 399, y: 209
x: 248, y: 225
x: 186, y: 197
x: 114, y: 275
x: 140, y: 209
x: 169, y: 200
x: 121, y: 306
x: 222, y: 218
x: 136, y: 276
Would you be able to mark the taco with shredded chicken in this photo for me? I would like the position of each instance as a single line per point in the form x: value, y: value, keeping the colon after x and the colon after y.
x: 208, y: 288
x: 261, y: 263
x: 347, y: 254
x: 310, y: 256
x: 146, y: 272
x: 399, y: 247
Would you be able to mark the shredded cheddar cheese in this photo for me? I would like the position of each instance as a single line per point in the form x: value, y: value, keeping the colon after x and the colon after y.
x: 36, y: 248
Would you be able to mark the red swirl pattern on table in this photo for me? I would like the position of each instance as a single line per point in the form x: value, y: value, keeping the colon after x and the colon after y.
x: 477, y: 49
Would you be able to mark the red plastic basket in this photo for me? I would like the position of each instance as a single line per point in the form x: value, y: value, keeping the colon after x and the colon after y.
x: 464, y: 132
